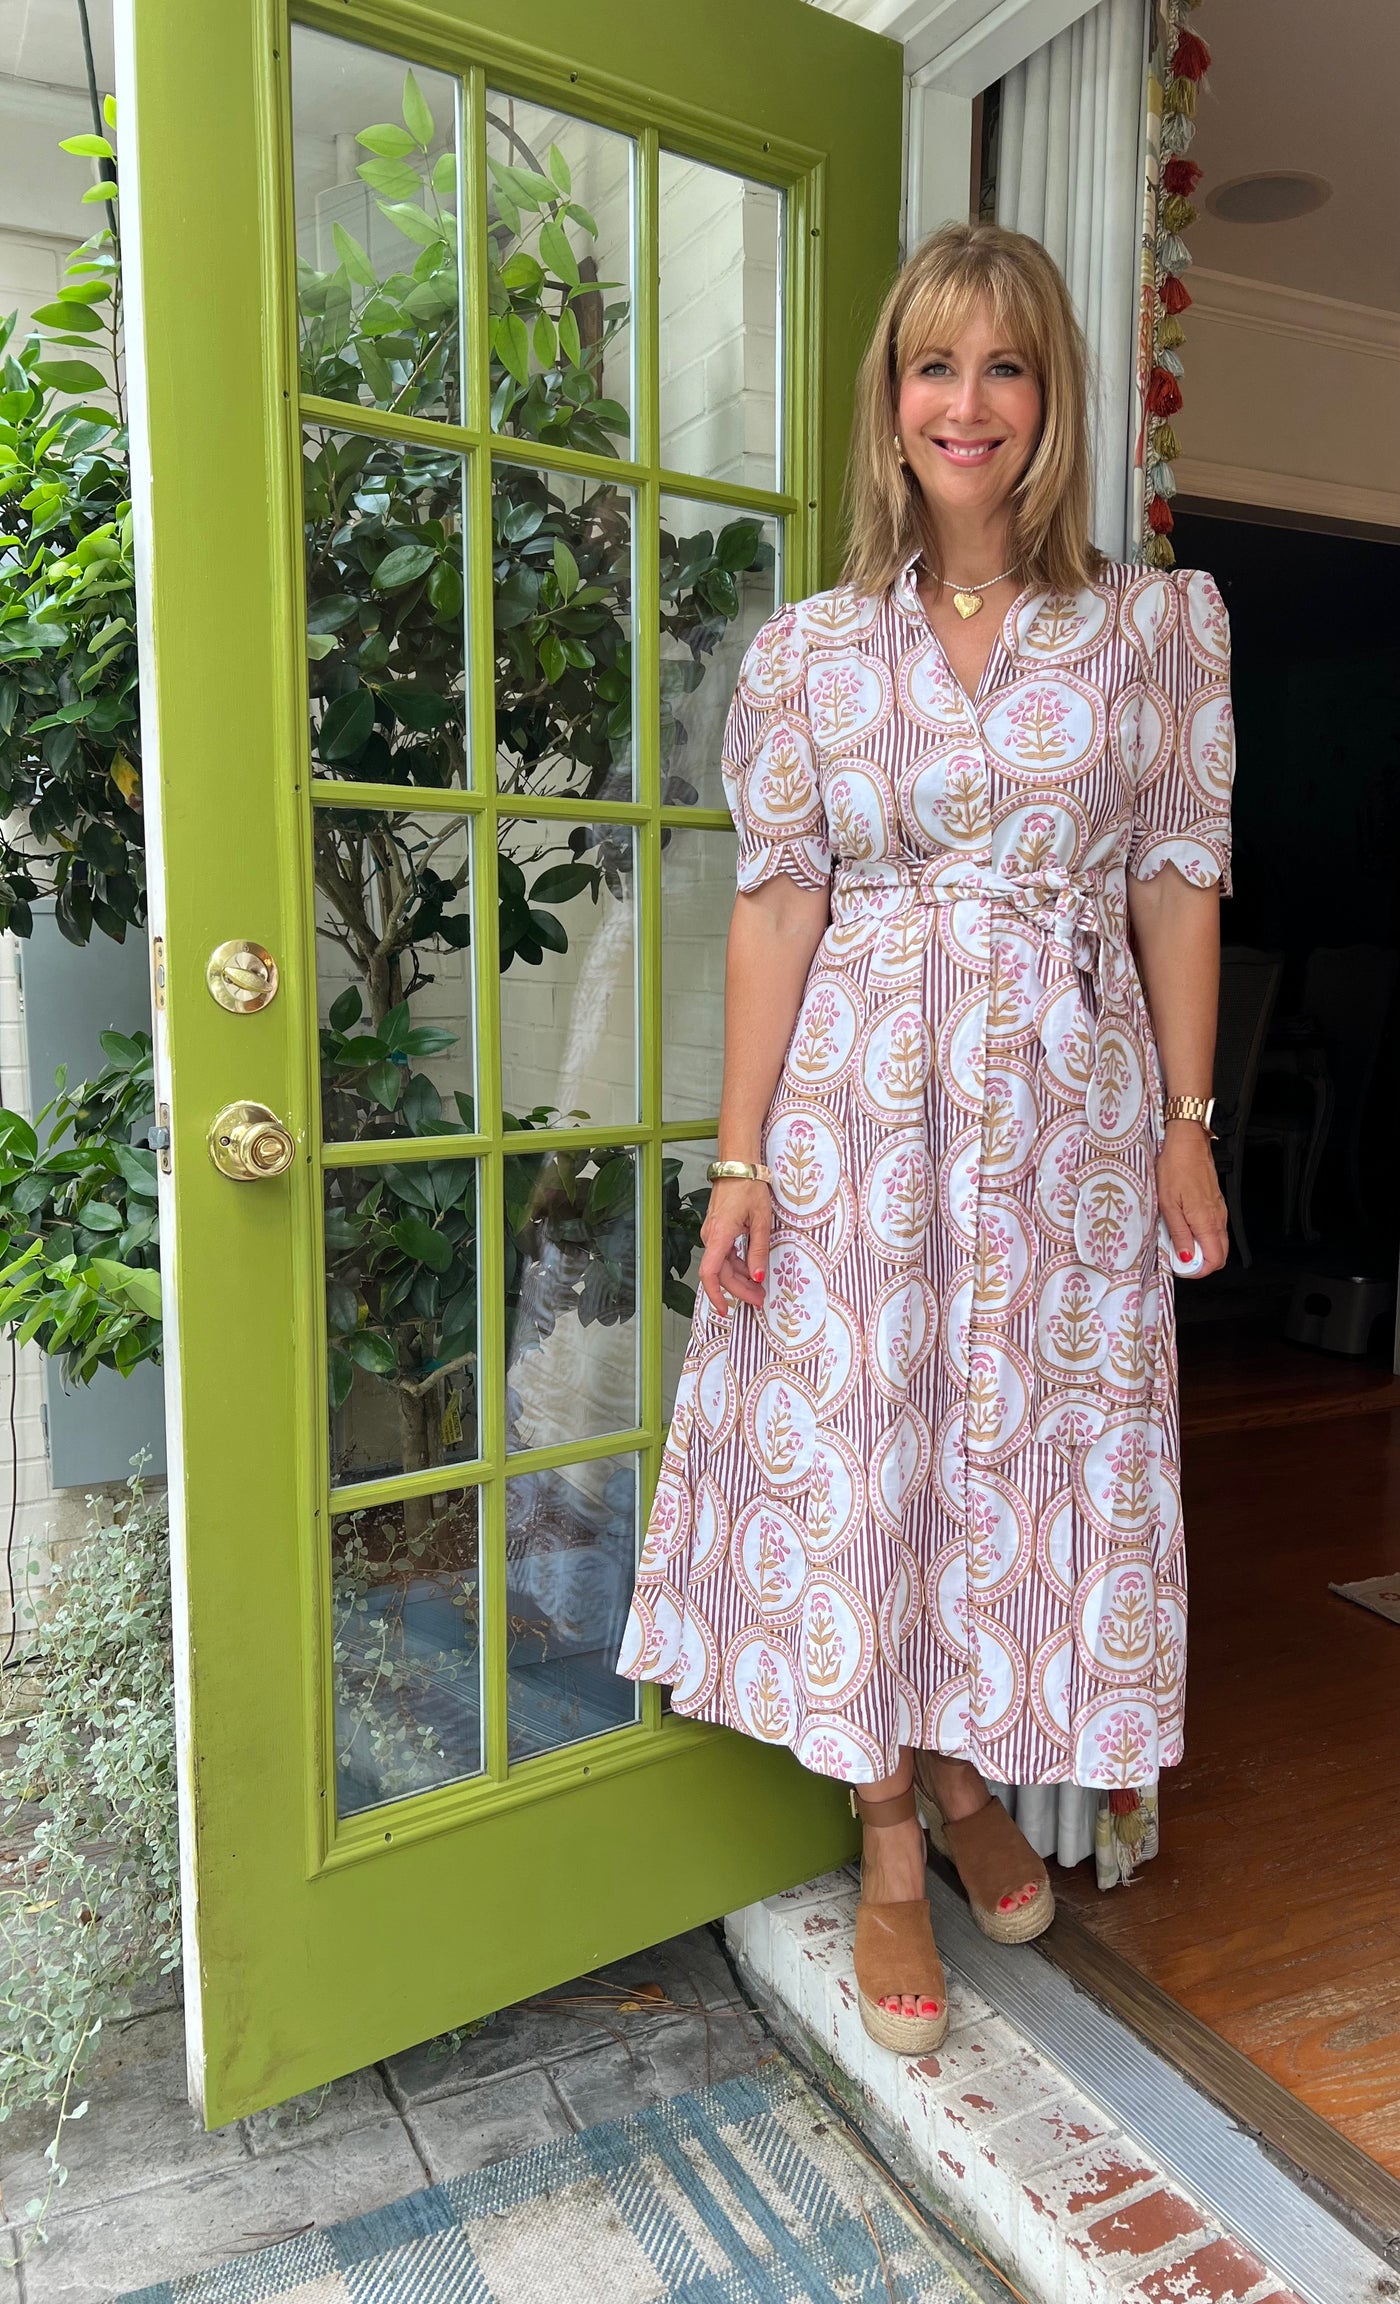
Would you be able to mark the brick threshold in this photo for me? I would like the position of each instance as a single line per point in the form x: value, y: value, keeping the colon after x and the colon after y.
x: 1070, y: 2206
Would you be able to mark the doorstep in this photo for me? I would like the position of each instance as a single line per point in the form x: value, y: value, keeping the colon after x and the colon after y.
x: 1071, y: 2206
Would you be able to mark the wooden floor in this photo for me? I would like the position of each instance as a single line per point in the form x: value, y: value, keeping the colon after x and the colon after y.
x: 1273, y: 1910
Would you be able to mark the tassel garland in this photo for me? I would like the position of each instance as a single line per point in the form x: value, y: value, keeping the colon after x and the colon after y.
x: 1171, y: 333
x: 1171, y: 361
x: 1173, y: 255
x: 1181, y: 176
x: 1159, y: 516
x: 1175, y: 294
x: 1177, y: 213
x: 1190, y: 57
x: 1177, y: 132
x: 1180, y: 97
x: 1163, y: 393
x: 1160, y: 478
x: 1165, y: 443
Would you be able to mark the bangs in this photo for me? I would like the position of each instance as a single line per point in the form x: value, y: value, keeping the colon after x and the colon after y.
x: 943, y: 303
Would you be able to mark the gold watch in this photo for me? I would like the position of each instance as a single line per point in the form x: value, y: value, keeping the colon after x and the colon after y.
x: 1199, y: 1108
x: 734, y: 1171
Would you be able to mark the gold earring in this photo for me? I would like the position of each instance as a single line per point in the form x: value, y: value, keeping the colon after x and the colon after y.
x: 899, y: 449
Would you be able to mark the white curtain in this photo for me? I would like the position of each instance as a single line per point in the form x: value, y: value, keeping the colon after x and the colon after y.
x: 1069, y: 172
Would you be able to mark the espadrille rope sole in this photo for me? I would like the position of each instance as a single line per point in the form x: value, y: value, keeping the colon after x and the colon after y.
x: 906, y: 2035
x: 1020, y: 1926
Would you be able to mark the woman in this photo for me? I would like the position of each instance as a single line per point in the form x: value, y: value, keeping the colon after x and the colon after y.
x: 918, y: 1507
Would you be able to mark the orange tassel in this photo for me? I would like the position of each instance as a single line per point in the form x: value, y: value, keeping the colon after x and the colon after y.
x: 1163, y: 393
x: 1174, y: 293
x: 1181, y: 175
x: 1122, y: 1803
x: 1190, y: 57
x: 1159, y: 516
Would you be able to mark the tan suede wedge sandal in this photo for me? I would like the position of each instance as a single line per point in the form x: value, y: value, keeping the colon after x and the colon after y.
x: 995, y: 1861
x: 896, y: 1956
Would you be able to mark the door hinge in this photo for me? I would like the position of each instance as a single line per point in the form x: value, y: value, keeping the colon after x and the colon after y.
x: 159, y: 1138
x: 158, y: 973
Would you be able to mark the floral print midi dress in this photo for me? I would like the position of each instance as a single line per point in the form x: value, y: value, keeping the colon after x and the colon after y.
x: 928, y: 1494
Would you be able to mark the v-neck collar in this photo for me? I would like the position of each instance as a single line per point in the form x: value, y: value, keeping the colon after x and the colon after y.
x: 906, y: 596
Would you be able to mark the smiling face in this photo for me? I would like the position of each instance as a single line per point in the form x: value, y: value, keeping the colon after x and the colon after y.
x: 969, y: 417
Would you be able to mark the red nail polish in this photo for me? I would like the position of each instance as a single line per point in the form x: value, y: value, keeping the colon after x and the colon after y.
x: 758, y: 1275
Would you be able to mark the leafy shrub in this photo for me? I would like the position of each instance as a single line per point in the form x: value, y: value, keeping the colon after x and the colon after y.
x: 89, y: 1913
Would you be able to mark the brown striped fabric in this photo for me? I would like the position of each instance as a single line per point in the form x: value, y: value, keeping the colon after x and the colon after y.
x: 928, y: 1494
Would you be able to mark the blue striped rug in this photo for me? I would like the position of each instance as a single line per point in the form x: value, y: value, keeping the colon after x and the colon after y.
x: 747, y: 2193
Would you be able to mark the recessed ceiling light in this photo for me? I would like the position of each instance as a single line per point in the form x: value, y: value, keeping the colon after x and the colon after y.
x: 1271, y: 197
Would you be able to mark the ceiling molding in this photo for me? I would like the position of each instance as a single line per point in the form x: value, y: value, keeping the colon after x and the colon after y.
x: 1288, y: 491
x: 962, y: 45
x: 1271, y: 309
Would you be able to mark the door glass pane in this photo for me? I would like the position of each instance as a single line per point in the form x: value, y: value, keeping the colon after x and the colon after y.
x: 374, y: 158
x: 697, y: 896
x: 560, y: 271
x: 401, y: 1317
x: 720, y: 299
x: 685, y: 1196
x: 384, y: 611
x: 571, y: 1326
x: 571, y: 1542
x: 719, y: 582
x: 562, y: 581
x: 568, y: 972
x: 393, y: 974
x: 406, y: 1592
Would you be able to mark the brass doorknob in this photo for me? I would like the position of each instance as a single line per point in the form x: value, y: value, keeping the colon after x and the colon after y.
x: 249, y: 1143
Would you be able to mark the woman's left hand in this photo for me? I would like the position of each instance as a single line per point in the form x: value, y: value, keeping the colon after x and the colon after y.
x: 1189, y: 1197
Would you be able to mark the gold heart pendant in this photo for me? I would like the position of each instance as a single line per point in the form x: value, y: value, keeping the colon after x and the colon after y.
x: 967, y: 603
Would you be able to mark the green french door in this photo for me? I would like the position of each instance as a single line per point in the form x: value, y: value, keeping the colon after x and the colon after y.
x: 487, y: 396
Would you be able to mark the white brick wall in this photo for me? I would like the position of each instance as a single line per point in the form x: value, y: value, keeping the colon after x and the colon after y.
x: 718, y: 310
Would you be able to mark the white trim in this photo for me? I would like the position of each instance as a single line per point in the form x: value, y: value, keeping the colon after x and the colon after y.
x: 142, y: 484
x: 1288, y: 492
x: 1271, y: 309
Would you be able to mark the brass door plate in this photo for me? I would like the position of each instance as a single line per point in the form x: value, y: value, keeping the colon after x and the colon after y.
x: 249, y: 1143
x: 242, y: 977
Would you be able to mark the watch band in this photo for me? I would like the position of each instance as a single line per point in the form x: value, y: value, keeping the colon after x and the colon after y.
x: 734, y: 1171
x: 1198, y: 1108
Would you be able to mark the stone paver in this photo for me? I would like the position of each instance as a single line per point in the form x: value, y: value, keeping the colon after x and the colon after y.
x: 150, y: 2195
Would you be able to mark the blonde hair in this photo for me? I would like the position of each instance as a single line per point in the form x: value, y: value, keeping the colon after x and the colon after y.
x: 887, y: 521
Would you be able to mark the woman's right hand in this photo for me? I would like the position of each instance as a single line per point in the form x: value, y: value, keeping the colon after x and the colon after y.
x: 741, y: 1209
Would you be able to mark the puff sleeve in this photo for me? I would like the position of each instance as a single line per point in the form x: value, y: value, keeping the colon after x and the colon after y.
x: 1186, y: 761
x: 769, y: 763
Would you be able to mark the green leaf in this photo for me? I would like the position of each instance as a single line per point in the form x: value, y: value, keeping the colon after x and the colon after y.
x: 340, y: 1377
x: 549, y: 932
x: 562, y: 881
x: 372, y: 1352
x: 444, y: 176
x: 445, y: 590
x: 74, y: 315
x: 512, y: 345
x: 353, y: 257
x: 332, y: 612
x: 101, y: 1216
x: 585, y: 220
x: 106, y: 190
x: 88, y: 147
x: 392, y: 179
x: 546, y: 343
x: 558, y: 255
x: 384, y: 1082
x: 345, y: 725
x: 342, y: 1309
x: 559, y: 169
x: 422, y: 1243
x: 565, y: 568
x: 319, y: 645
x: 417, y: 117
x: 387, y: 139
x: 70, y: 375
x: 140, y: 1286
x: 553, y: 661
x: 569, y: 336
x: 736, y: 546
x: 414, y: 222
x: 520, y: 274
x: 403, y: 566
x: 346, y: 1009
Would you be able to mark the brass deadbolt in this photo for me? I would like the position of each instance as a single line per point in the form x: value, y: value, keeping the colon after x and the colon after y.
x: 241, y: 976
x: 250, y: 1144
